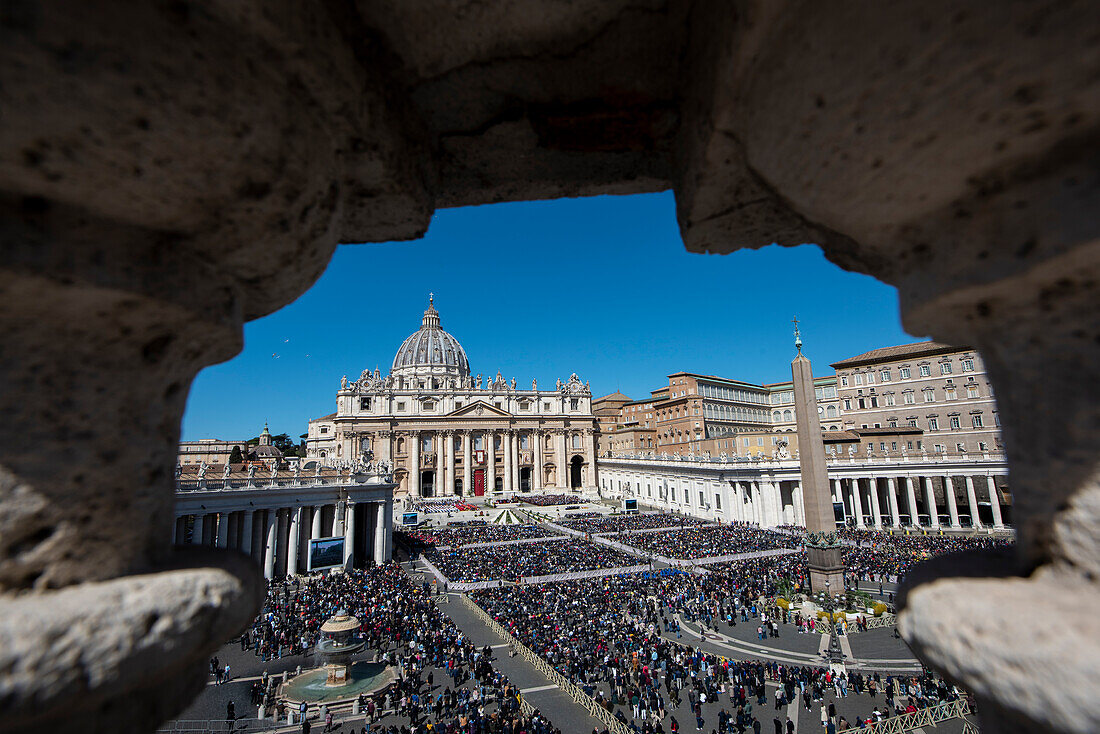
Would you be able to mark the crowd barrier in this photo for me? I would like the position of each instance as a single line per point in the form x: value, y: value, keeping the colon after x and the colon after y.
x: 580, y: 697
x: 594, y: 573
x: 930, y: 716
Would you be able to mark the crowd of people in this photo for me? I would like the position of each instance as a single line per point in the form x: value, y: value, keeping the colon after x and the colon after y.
x: 441, y: 504
x: 547, y: 500
x: 707, y: 542
x: 399, y: 620
x: 878, y: 557
x: 595, y: 523
x: 613, y: 637
x: 512, y: 562
x: 478, y: 531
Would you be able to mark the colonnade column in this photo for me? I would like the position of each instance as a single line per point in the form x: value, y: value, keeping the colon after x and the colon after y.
x: 246, y: 532
x: 857, y: 503
x: 349, y: 534
x: 440, y: 487
x: 972, y: 500
x: 314, y: 532
x: 838, y: 495
x: 379, y: 533
x: 995, y: 501
x: 196, y: 529
x: 930, y: 500
x: 892, y: 500
x: 876, y: 509
x: 222, y: 540
x: 414, y: 464
x: 449, y: 437
x: 490, y: 462
x: 506, y: 444
x: 294, y: 540
x: 269, y: 543
x: 538, y: 438
x: 796, y: 498
x: 952, y: 507
x: 911, y: 500
x: 467, y: 465
x: 387, y: 516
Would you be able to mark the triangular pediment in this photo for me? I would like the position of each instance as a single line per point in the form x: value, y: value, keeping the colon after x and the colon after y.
x: 480, y: 408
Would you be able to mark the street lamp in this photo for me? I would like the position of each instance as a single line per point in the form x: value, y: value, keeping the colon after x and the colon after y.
x: 834, y: 656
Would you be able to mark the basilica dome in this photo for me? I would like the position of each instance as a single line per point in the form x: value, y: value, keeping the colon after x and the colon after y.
x: 431, y: 351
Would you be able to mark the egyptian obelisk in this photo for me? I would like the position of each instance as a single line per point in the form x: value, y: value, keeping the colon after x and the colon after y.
x: 822, y: 547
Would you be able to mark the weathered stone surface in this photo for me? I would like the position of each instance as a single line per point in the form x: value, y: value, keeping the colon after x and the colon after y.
x: 169, y: 170
x: 75, y: 648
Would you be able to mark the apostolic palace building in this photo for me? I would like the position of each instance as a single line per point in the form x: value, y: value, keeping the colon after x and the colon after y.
x: 445, y: 432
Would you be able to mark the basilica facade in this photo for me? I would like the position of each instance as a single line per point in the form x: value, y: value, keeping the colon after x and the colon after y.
x: 446, y: 432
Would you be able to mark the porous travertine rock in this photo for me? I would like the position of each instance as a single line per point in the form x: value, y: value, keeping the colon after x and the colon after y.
x: 170, y: 170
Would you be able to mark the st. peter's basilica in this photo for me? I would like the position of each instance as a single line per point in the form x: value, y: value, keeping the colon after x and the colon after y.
x: 446, y: 432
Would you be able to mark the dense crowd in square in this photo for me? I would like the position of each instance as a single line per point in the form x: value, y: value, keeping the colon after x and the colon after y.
x: 442, y: 504
x: 612, y: 637
x: 478, y: 531
x: 596, y: 523
x: 706, y: 542
x: 401, y: 621
x: 549, y: 500
x: 879, y: 556
x: 512, y: 562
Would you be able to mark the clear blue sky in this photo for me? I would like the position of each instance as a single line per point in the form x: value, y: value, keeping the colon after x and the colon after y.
x: 601, y: 286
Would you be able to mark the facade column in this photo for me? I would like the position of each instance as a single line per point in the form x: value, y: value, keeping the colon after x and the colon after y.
x: 337, y: 522
x: 379, y: 533
x: 179, y: 527
x: 269, y: 543
x: 414, y: 464
x: 952, y: 507
x: 857, y: 503
x: 838, y: 496
x: 972, y: 500
x: 440, y: 488
x: 563, y: 461
x: 349, y: 534
x: 539, y: 437
x: 197, y: 525
x: 234, y: 539
x: 281, y: 544
x: 490, y: 462
x: 223, y: 530
x: 314, y: 532
x: 449, y: 435
x: 516, y: 469
x: 467, y: 465
x: 930, y: 501
x: 758, y: 503
x: 892, y: 500
x: 876, y: 509
x: 506, y: 444
x: 246, y: 532
x: 294, y: 541
x: 994, y: 501
x: 590, y: 456
x: 911, y: 500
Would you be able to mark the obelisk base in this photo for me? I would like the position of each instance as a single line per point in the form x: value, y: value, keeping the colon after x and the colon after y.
x: 825, y: 564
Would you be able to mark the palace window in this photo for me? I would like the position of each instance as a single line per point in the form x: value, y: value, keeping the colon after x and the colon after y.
x: 893, y: 445
x: 909, y: 445
x: 925, y: 370
x: 546, y: 406
x: 893, y: 422
x: 971, y: 391
x: 576, y: 440
x: 945, y: 368
x: 909, y: 397
x: 968, y: 365
x: 904, y: 373
x: 496, y: 443
x: 859, y: 378
x: 870, y: 448
x: 364, y: 403
x: 717, y: 501
x: 912, y: 422
x: 929, y: 395
x: 976, y: 421
x: 933, y: 424
x: 949, y: 393
x: 479, y: 443
x: 955, y: 423
x: 574, y: 403
x: 983, y: 446
x: 885, y: 375
x: 425, y: 443
x: 940, y: 448
x: 324, y: 429
x: 870, y: 378
x: 830, y: 412
x: 400, y: 404
x: 890, y: 399
x: 429, y: 405
x: 844, y: 381
x: 847, y: 404
x: 524, y: 441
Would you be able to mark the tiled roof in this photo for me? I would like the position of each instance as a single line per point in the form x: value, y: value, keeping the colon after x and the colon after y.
x: 885, y: 354
x: 613, y: 396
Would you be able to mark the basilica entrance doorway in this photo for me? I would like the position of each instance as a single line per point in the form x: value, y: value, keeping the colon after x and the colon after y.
x: 575, y: 472
x: 427, y: 484
x: 479, y: 482
x: 525, y: 479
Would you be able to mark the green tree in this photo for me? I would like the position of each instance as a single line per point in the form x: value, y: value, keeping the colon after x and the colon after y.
x: 235, y: 456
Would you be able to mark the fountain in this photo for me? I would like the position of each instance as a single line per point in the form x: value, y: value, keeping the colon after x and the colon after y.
x: 337, y: 677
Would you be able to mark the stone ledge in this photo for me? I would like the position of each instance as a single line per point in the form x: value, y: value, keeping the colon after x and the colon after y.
x: 69, y: 657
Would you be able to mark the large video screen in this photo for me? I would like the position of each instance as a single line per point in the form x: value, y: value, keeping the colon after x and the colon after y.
x: 409, y: 519
x: 630, y: 505
x: 326, y: 553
